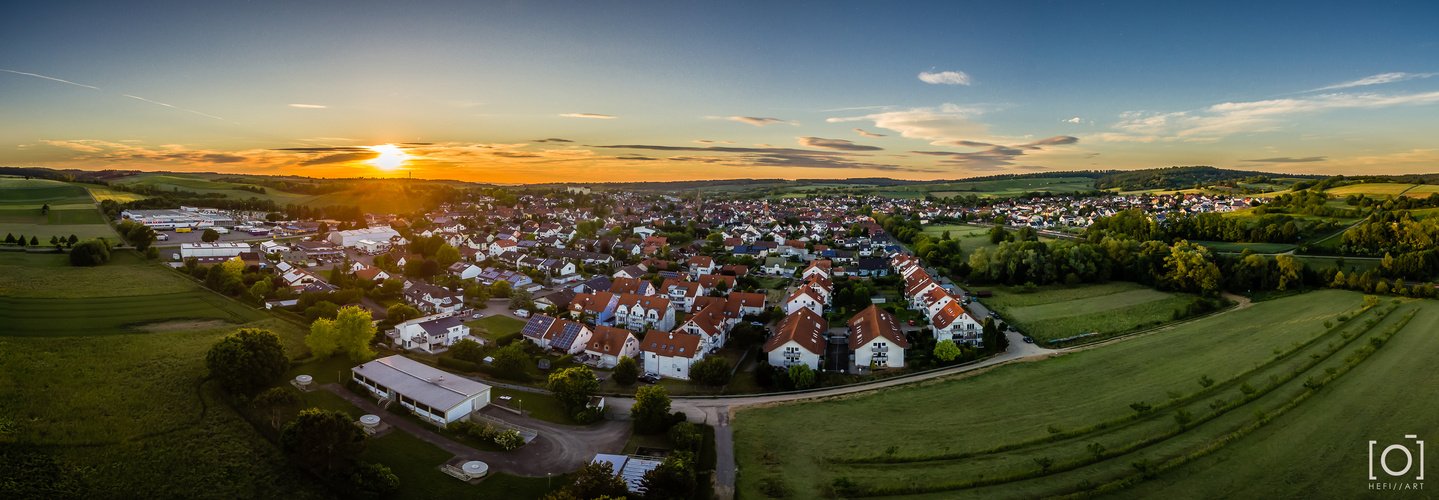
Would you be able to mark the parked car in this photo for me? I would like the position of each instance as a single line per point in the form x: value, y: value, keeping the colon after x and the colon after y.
x: 478, y: 315
x: 650, y: 378
x: 1028, y: 340
x: 911, y: 322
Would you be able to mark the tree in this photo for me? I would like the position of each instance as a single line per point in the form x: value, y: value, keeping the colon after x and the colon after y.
x: 325, y: 441
x: 210, y: 235
x: 34, y: 241
x: 1183, y: 417
x: 946, y: 350
x: 72, y: 241
x: 274, y: 401
x: 520, y: 299
x: 713, y: 370
x: 673, y: 478
x: 468, y: 350
x: 447, y: 255
x: 21, y: 241
x: 801, y: 376
x: 573, y: 386
x: 500, y: 289
x: 596, y: 480
x: 350, y: 332
x: 685, y: 436
x: 651, y: 411
x: 375, y: 479
x: 512, y: 361
x: 139, y: 235
x: 10, y: 238
x: 989, y: 335
x: 626, y: 372
x: 247, y: 360
x: 402, y: 312
x: 90, y: 253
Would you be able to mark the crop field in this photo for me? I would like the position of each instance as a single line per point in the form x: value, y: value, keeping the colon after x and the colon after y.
x: 1374, y: 189
x: 1065, y: 425
x: 50, y: 276
x: 102, y: 193
x: 1110, y: 308
x: 71, y: 210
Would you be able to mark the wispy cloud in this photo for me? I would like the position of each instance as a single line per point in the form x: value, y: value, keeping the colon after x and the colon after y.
x: 862, y: 132
x: 1378, y: 79
x: 552, y: 139
x: 1072, y: 120
x: 587, y: 115
x: 703, y: 141
x: 947, y: 122
x: 172, y: 106
x: 1286, y: 159
x: 756, y: 121
x: 946, y: 78
x: 1221, y: 120
x: 835, y: 144
x: 771, y: 157
x: 855, y: 108
x: 308, y: 106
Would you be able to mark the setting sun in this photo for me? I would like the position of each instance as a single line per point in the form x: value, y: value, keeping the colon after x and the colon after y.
x: 391, y: 157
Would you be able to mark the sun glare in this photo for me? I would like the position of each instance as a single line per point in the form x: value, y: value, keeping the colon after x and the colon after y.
x: 391, y: 157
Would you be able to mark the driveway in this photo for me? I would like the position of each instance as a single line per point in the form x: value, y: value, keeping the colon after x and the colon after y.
x: 558, y: 449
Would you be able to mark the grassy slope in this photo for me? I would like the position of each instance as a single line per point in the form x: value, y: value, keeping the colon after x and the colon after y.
x: 1018, y: 401
x: 131, y: 407
x: 203, y: 186
x: 71, y: 210
x: 1058, y: 312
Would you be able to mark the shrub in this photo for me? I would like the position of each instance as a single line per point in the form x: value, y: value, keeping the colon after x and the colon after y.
x: 457, y: 364
x: 509, y: 440
x: 374, y: 479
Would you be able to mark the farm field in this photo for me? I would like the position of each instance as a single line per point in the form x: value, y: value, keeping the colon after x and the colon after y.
x: 1374, y: 189
x: 71, y: 210
x: 183, y: 182
x: 1024, y: 405
x: 50, y: 276
x: 131, y: 409
x: 102, y: 193
x: 1383, y: 399
x: 93, y: 316
x: 1227, y: 246
x: 1110, y: 308
x: 991, y: 188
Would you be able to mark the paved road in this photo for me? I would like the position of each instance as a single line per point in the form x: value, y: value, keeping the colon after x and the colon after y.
x: 558, y: 449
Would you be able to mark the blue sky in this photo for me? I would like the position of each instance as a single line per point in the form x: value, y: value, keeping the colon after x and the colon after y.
x: 956, y: 89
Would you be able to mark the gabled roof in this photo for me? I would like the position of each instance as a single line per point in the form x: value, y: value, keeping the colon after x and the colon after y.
x: 609, y: 340
x: 804, y: 327
x: 420, y: 382
x: 674, y: 344
x: 631, y: 300
x: 875, y: 323
x: 948, y: 314
x: 802, y: 292
x: 597, y: 302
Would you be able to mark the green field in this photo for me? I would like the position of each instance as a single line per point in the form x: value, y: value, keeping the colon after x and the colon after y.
x: 1109, y: 308
x: 102, y: 193
x: 992, y: 188
x: 494, y: 327
x: 49, y: 317
x: 1226, y: 246
x: 198, y: 184
x: 72, y: 211
x: 1378, y: 189
x: 980, y: 435
x: 129, y: 409
x: 970, y: 238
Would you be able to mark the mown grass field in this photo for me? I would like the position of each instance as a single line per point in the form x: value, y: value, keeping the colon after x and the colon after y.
x: 50, y: 276
x: 970, y: 238
x: 19, y: 193
x: 495, y: 326
x: 198, y: 184
x: 1110, y: 308
x: 64, y: 317
x: 938, y: 438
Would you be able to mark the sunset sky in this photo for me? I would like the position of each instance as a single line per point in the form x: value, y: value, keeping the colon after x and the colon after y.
x: 608, y: 91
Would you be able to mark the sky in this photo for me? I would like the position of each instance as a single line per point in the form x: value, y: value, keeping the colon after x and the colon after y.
x: 534, y: 91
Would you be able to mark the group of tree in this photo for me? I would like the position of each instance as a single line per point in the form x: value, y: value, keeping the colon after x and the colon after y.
x: 351, y: 332
x: 573, y: 387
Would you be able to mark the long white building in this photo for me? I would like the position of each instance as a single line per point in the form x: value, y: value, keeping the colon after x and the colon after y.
x: 216, y: 249
x: 352, y: 238
x: 430, y: 393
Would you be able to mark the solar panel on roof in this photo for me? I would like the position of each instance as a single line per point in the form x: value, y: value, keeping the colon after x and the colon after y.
x: 537, y: 326
x: 567, y: 335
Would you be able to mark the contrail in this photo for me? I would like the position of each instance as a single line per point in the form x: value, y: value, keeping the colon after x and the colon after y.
x: 50, y: 78
x: 98, y: 88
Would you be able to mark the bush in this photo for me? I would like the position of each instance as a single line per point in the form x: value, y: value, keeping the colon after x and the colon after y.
x: 588, y: 416
x: 508, y: 339
x: 509, y: 440
x: 94, y: 252
x: 375, y: 479
x: 626, y: 372
x: 458, y: 364
x: 685, y: 436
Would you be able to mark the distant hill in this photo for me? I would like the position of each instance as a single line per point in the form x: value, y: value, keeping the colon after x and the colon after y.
x: 1178, y: 178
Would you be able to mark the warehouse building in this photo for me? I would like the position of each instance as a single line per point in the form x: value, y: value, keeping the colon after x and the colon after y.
x: 216, y: 250
x: 427, y: 392
x: 353, y: 237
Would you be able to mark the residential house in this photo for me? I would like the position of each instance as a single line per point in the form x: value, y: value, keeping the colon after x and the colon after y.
x: 557, y: 334
x: 798, y: 340
x: 432, y: 334
x: 638, y: 312
x: 434, y: 299
x: 609, y: 344
x: 670, y: 354
x: 804, y: 298
x: 876, y: 340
